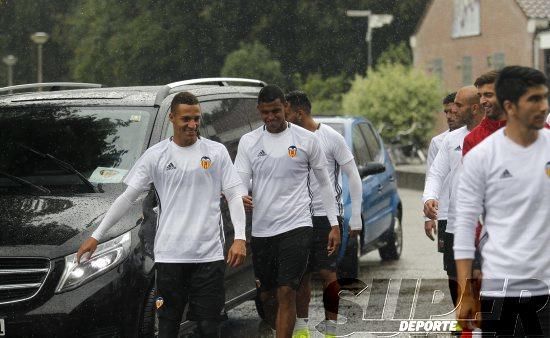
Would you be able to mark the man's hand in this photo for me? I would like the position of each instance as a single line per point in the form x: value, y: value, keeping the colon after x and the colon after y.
x: 333, y: 240
x: 237, y: 253
x: 430, y: 209
x: 430, y: 228
x: 90, y: 245
x: 247, y: 201
x: 466, y: 311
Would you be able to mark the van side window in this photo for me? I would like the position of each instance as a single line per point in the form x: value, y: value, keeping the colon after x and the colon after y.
x: 225, y: 121
x: 360, y: 150
x: 372, y: 141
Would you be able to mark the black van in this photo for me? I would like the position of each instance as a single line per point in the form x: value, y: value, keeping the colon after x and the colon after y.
x: 63, y: 154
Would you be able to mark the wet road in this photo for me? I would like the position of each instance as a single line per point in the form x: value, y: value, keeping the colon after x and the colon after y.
x: 412, y: 288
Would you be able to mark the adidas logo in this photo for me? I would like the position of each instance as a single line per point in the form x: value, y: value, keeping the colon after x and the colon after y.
x: 505, y: 174
x: 170, y: 166
x: 458, y: 148
x: 262, y: 153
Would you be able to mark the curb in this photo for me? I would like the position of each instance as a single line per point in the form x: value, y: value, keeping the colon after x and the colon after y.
x: 411, y: 177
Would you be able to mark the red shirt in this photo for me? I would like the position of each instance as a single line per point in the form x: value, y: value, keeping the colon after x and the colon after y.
x: 480, y: 133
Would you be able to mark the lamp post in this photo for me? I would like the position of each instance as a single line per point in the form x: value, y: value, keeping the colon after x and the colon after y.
x: 374, y: 21
x: 39, y: 38
x: 10, y: 61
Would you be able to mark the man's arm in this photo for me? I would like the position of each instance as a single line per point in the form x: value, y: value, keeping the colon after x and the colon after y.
x: 469, y: 205
x: 356, y: 194
x: 244, y: 168
x: 434, y: 181
x: 119, y: 208
x: 237, y: 252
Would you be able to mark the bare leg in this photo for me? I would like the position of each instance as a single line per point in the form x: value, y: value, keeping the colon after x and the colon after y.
x: 269, y: 304
x: 286, y: 314
x: 303, y: 297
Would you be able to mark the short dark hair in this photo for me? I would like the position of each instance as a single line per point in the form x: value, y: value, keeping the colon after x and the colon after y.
x: 271, y: 93
x: 514, y: 81
x: 449, y: 98
x: 183, y: 98
x: 487, y: 78
x: 298, y: 99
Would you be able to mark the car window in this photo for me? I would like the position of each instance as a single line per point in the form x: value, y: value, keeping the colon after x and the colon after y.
x: 339, y: 127
x: 102, y: 143
x: 225, y: 121
x: 373, y: 143
x: 360, y: 149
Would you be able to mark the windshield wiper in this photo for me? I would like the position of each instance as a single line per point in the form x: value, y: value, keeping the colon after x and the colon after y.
x: 67, y: 166
x: 26, y: 183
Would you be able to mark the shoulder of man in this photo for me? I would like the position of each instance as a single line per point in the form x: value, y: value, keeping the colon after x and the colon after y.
x: 485, y: 148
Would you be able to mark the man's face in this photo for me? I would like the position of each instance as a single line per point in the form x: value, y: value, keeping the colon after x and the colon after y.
x: 531, y: 109
x: 186, y: 120
x: 488, y: 101
x: 462, y: 109
x: 452, y: 120
x: 273, y: 115
x: 294, y: 116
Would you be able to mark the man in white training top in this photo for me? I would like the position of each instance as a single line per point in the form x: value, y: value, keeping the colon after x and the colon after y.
x: 507, y: 178
x: 430, y: 226
x: 445, y: 166
x: 278, y: 158
x: 189, y: 174
x: 339, y: 157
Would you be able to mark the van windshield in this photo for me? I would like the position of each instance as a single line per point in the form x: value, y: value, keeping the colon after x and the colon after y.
x: 47, y: 149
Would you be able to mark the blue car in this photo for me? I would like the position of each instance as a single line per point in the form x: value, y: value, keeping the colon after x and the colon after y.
x: 382, y: 209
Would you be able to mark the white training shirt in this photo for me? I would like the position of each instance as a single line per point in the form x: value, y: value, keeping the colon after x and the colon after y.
x: 337, y: 154
x: 189, y: 182
x: 279, y: 164
x: 446, y: 165
x: 433, y: 149
x: 511, y: 185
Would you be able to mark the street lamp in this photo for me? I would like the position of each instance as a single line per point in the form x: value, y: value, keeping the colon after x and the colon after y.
x: 10, y: 61
x: 40, y: 38
x: 375, y: 21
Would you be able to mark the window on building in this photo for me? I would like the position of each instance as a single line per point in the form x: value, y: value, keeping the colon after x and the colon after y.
x: 467, y: 70
x: 436, y: 68
x: 498, y: 61
x: 546, y: 62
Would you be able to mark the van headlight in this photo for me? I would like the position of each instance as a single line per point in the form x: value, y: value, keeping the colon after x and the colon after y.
x: 106, y: 256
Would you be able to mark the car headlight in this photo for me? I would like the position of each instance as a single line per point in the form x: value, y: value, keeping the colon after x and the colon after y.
x: 106, y: 256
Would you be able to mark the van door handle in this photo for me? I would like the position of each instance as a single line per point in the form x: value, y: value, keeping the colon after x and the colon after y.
x: 392, y: 178
x: 380, y: 188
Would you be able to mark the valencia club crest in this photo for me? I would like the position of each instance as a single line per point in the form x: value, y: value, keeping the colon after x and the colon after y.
x: 292, y: 151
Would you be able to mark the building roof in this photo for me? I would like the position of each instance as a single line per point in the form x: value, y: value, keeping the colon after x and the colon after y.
x: 536, y: 9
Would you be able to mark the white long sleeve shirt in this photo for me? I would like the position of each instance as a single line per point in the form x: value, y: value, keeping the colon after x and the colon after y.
x: 511, y: 184
x: 433, y: 149
x: 445, y: 166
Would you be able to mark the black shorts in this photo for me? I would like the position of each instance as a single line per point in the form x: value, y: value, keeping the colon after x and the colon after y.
x: 502, y: 316
x: 318, y: 256
x: 449, y: 263
x: 201, y: 285
x: 441, y: 227
x: 281, y: 260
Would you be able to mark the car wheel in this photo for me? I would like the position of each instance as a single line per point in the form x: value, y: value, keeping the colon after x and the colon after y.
x: 149, y: 319
x: 394, y: 242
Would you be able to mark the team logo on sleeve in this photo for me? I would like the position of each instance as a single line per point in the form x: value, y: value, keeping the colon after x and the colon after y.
x: 292, y: 151
x: 206, y: 162
x: 159, y: 302
x: 547, y: 169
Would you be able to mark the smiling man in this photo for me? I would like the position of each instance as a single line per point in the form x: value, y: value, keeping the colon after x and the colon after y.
x: 189, y: 174
x: 507, y: 178
x: 278, y: 159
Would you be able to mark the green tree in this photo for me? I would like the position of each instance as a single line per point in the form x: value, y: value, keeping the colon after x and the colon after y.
x: 396, y: 53
x: 253, y: 61
x: 325, y: 94
x: 394, y: 97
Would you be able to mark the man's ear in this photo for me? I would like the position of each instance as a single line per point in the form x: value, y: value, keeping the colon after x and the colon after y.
x: 508, y: 107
